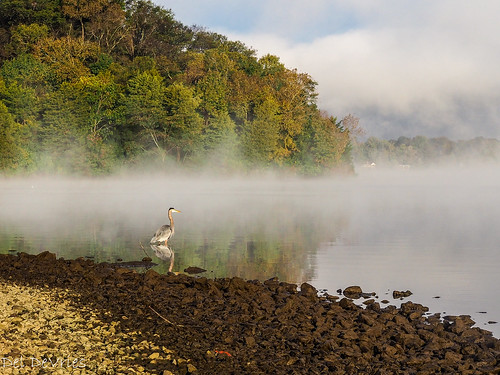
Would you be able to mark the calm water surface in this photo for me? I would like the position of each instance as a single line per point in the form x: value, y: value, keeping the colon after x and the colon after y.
x: 434, y: 232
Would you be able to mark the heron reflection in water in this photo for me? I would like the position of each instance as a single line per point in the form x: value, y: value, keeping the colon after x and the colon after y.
x: 165, y: 253
x: 163, y: 234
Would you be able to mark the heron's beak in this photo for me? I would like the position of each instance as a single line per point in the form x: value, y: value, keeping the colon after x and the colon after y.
x: 177, y: 211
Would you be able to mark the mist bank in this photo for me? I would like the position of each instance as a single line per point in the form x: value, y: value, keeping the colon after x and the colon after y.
x: 214, y: 199
x: 228, y: 161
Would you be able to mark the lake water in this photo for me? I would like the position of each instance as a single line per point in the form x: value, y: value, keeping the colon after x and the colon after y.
x: 434, y: 232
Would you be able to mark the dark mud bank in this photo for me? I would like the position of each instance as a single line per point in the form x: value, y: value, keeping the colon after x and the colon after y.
x: 232, y: 326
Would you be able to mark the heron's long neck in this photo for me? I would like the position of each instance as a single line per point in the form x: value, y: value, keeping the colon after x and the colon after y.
x: 171, y: 221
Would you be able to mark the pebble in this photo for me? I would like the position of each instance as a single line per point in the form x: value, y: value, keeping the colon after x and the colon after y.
x: 43, y: 324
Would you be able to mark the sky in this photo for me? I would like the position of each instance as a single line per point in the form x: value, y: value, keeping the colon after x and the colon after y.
x: 403, y: 67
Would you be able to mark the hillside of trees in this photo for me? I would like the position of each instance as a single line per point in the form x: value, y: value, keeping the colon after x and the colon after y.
x: 422, y: 151
x: 92, y: 86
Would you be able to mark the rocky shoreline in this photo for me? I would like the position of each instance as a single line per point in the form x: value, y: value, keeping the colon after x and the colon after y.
x: 76, y: 316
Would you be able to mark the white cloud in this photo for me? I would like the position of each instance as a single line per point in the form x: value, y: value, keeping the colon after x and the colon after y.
x: 430, y: 70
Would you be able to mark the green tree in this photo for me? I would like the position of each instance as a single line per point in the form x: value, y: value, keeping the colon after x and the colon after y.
x: 329, y: 143
x: 63, y: 141
x: 68, y: 58
x: 204, y: 40
x: 78, y: 120
x: 95, y: 99
x: 12, y: 156
x: 261, y: 136
x: 23, y: 103
x: 25, y: 70
x: 192, y: 65
x: 155, y: 31
x: 294, y: 93
x: 47, y: 12
x: 183, y: 123
x: 323, y: 145
x: 144, y: 107
x: 221, y: 144
x: 212, y: 90
x: 8, y: 148
x: 243, y: 89
x: 271, y: 65
x: 25, y: 37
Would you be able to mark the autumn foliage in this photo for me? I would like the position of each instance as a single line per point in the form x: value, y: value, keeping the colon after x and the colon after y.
x: 89, y: 86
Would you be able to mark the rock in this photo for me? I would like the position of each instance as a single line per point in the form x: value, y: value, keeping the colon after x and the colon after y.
x: 272, y: 283
x: 400, y: 295
x: 151, y: 277
x: 353, y: 292
x: 250, y: 340
x: 46, y: 256
x: 308, y: 290
x: 194, y: 270
x: 75, y: 266
x: 16, y: 321
x: 347, y: 304
x: 155, y: 355
x: 123, y: 271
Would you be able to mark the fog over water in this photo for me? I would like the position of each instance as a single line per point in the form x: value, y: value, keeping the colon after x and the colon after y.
x: 433, y: 231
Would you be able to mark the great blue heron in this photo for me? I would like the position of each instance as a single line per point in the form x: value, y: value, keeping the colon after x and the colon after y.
x: 165, y: 231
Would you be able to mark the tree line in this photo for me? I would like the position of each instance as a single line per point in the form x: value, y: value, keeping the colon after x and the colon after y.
x: 423, y: 151
x: 90, y: 86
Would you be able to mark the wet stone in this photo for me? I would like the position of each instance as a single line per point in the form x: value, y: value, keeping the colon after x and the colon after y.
x: 347, y: 304
x: 353, y: 292
x: 309, y: 291
x: 397, y: 294
x: 194, y: 270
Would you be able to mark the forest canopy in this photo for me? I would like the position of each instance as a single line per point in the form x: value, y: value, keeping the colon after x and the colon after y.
x: 91, y: 86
